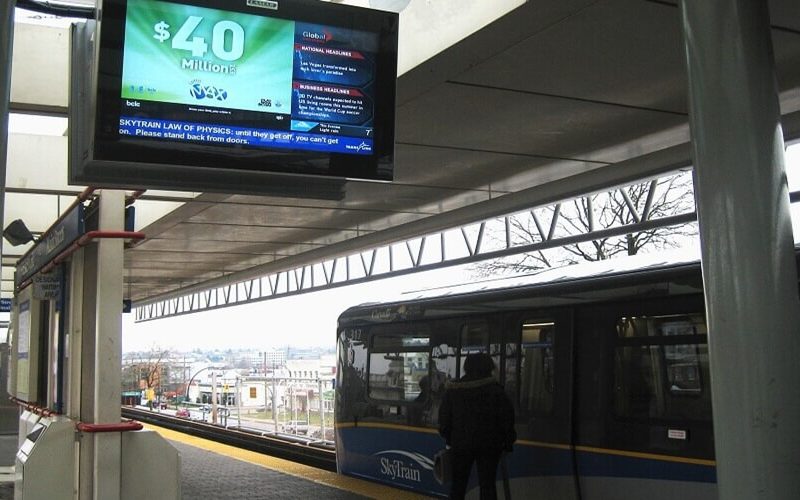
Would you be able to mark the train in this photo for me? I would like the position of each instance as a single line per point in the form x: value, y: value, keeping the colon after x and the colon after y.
x: 607, y: 367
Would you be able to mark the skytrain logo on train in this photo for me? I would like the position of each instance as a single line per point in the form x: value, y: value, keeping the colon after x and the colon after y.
x: 408, y: 466
x: 395, y: 313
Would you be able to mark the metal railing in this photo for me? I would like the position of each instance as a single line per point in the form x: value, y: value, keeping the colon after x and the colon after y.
x: 480, y: 241
x: 290, y: 406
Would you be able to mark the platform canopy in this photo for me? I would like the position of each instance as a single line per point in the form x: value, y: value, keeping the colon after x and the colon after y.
x: 493, y: 98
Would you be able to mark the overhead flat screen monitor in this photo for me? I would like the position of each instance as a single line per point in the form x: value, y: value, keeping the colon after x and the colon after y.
x: 192, y: 91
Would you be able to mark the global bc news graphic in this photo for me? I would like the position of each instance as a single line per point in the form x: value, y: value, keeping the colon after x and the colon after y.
x: 219, y: 77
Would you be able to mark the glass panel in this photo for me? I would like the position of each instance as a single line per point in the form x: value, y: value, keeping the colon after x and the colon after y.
x: 661, y: 326
x: 444, y: 368
x: 512, y: 363
x: 683, y: 369
x: 397, y: 365
x: 353, y: 360
x: 444, y: 362
x: 496, y: 351
x: 537, y: 383
x: 660, y: 381
x: 474, y: 338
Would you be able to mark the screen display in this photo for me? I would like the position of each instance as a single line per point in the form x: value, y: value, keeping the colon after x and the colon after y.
x: 292, y: 86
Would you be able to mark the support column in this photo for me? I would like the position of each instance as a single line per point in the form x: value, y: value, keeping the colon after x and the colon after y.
x: 108, y: 348
x: 74, y: 335
x: 214, y: 397
x: 6, y: 52
x: 748, y: 262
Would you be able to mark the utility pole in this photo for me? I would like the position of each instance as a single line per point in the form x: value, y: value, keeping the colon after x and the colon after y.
x: 184, y: 376
x: 214, y: 397
x: 266, y: 391
x: 238, y: 402
x: 274, y: 398
x: 321, y: 411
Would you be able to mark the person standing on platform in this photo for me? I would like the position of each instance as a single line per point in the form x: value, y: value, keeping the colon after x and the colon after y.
x: 476, y: 419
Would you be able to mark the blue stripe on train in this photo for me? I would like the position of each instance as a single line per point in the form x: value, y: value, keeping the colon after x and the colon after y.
x: 404, y: 458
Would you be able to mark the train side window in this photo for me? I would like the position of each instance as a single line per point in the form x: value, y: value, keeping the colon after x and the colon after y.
x: 445, y: 361
x: 661, y: 368
x: 537, y: 364
x: 475, y: 338
x: 511, y: 370
x: 397, y: 363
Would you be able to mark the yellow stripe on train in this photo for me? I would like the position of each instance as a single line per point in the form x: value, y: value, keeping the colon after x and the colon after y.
x: 542, y: 444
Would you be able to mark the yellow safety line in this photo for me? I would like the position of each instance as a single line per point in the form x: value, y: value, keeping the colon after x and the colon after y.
x: 358, y: 486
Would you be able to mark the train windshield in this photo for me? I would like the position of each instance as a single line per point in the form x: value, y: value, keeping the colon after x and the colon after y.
x: 397, y: 364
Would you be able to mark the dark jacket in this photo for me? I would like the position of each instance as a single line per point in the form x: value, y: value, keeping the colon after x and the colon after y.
x: 477, y: 414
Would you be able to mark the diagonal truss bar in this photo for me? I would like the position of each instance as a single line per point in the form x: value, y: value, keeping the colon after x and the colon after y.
x: 454, y: 251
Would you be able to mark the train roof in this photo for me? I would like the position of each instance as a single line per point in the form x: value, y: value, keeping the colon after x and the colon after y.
x: 572, y: 273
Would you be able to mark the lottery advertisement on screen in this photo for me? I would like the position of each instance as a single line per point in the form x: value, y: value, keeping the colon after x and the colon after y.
x: 295, y: 86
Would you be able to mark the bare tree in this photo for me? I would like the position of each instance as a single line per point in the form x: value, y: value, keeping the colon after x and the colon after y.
x: 146, y: 370
x: 629, y: 205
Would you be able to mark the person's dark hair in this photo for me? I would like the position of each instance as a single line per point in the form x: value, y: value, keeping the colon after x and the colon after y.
x: 478, y: 365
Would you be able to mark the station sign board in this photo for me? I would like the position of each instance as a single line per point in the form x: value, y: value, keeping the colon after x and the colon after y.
x: 47, y: 286
x: 61, y: 235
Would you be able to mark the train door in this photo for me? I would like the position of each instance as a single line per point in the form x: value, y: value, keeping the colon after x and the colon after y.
x: 646, y: 409
x: 538, y: 373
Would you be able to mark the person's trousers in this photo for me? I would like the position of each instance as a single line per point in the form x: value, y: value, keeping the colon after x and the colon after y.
x: 462, y: 461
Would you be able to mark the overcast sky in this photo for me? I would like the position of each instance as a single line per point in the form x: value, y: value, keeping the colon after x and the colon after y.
x: 301, y: 321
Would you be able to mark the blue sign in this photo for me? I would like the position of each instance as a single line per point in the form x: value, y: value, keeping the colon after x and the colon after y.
x: 247, y: 136
x: 61, y: 235
x: 5, y: 305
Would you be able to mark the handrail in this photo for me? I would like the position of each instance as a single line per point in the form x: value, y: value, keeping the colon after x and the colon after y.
x: 39, y: 410
x: 128, y: 425
x: 83, y: 241
x: 124, y: 426
x: 129, y: 200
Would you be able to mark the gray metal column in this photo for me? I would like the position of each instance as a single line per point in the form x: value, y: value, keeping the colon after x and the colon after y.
x: 6, y: 49
x: 747, y: 251
x: 108, y: 348
x: 100, y: 338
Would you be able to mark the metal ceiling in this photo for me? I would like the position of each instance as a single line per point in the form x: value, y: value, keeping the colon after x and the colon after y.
x: 555, y: 89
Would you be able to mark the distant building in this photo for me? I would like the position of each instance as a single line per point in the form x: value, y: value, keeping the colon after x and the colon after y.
x: 257, y: 360
x: 321, y: 368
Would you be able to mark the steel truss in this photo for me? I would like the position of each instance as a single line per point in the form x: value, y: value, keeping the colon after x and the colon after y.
x: 480, y: 241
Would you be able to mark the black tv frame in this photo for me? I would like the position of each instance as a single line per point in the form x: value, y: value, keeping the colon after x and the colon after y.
x: 100, y: 156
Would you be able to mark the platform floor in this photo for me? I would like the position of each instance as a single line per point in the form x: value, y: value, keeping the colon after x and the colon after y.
x: 8, y: 450
x: 214, y: 471
x: 208, y: 475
